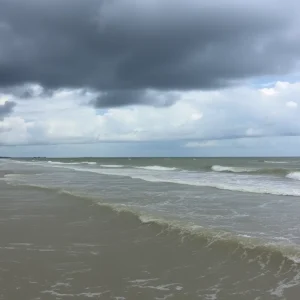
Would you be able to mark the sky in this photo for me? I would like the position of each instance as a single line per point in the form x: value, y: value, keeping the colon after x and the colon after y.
x: 149, y: 78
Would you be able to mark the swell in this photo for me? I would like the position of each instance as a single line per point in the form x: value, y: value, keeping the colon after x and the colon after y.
x: 293, y: 174
x: 150, y: 168
x: 273, y: 190
x: 279, y: 172
x: 257, y: 171
x: 218, y: 239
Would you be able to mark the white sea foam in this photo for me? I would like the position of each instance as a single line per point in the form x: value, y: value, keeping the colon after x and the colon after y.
x: 231, y: 182
x: 272, y: 190
x: 143, y: 280
x: 61, y: 163
x: 64, y: 295
x: 294, y: 175
x: 157, y: 168
x: 72, y: 163
x: 285, y: 284
x: 225, y: 183
x: 231, y: 186
x: 275, y: 162
x: 13, y: 175
x: 149, y: 219
x: 218, y: 168
x: 61, y: 284
x: 112, y: 166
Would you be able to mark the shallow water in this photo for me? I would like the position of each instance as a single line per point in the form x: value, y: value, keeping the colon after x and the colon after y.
x: 151, y: 228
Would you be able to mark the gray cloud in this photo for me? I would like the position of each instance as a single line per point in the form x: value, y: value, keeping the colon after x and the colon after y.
x: 27, y: 91
x: 141, y: 97
x: 122, y: 48
x: 6, y: 108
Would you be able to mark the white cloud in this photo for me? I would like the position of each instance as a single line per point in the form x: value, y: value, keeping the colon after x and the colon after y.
x: 198, y: 116
x: 268, y: 91
x: 14, y: 130
x: 201, y: 144
x: 252, y: 132
x: 291, y: 104
x: 3, y: 99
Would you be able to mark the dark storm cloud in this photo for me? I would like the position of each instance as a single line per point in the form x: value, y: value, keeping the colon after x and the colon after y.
x: 6, y: 108
x: 122, y: 47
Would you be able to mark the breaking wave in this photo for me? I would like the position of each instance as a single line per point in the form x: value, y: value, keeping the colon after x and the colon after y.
x: 275, y: 162
x: 112, y: 166
x: 156, y: 168
x: 258, y: 171
x: 72, y: 163
x: 218, y: 168
x: 294, y: 175
x: 210, y: 237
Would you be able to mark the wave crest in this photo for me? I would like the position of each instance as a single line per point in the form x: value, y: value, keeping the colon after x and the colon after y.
x: 212, y: 237
x: 275, y: 162
x: 72, y: 163
x: 157, y: 168
x: 257, y: 171
x: 112, y: 166
x: 218, y: 168
x: 294, y: 175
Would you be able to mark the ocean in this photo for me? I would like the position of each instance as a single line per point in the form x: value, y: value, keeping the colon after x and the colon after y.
x: 150, y: 228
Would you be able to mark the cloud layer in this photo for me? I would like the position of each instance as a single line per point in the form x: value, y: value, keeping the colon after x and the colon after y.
x: 148, y: 72
x: 124, y: 48
x: 196, y: 117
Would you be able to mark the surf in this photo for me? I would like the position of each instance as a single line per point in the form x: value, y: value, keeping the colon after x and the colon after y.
x: 284, y: 172
x: 231, y: 182
x: 156, y: 168
x: 189, y: 231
